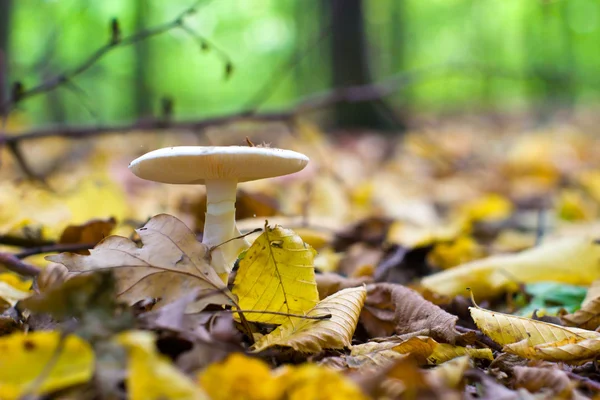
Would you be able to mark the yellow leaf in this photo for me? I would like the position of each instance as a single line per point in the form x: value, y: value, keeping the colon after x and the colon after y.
x: 311, y: 336
x: 13, y: 288
x: 422, y: 348
x: 242, y: 378
x: 26, y: 356
x: 572, y: 260
x: 170, y: 263
x: 537, y: 339
x: 150, y: 375
x: 276, y: 274
x: 491, y: 207
x: 451, y: 372
x: 449, y: 254
x: 315, y: 382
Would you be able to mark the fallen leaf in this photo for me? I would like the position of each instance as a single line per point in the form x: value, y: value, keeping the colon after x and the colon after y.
x: 451, y: 373
x: 26, y: 356
x: 588, y: 316
x: 328, y: 283
x: 311, y: 336
x: 12, y: 289
x: 446, y: 255
x: 571, y: 260
x: 551, y: 380
x: 391, y: 308
x: 276, y: 274
x: 311, y: 381
x: 90, y: 232
x: 170, y: 263
x: 240, y: 377
x: 423, y: 349
x: 537, y: 339
x: 151, y: 375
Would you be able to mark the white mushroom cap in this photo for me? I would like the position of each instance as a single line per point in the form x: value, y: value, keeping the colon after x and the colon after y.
x: 196, y: 164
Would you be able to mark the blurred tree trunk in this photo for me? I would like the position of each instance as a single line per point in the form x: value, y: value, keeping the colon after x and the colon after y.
x: 5, y: 12
x: 141, y: 90
x: 350, y: 67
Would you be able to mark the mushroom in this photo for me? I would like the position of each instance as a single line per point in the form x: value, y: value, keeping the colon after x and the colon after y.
x: 220, y: 169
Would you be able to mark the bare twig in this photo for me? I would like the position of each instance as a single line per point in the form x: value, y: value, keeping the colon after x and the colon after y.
x: 13, y: 263
x: 65, y: 77
x: 352, y: 94
x: 317, y: 318
x: 17, y: 241
x: 55, y: 248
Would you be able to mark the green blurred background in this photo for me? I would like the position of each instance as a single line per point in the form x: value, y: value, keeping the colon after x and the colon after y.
x: 464, y: 55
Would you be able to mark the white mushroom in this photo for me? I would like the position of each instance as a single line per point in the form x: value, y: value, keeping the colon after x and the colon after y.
x: 220, y: 169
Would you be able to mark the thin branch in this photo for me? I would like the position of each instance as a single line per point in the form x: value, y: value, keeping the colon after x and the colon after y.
x: 65, y: 77
x: 55, y: 248
x: 14, y: 264
x: 317, y: 318
x: 351, y: 94
x: 17, y: 241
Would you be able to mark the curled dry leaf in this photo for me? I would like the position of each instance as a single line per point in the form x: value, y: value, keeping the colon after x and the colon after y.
x: 546, y: 379
x: 170, y: 263
x: 276, y: 274
x: 572, y: 260
x: 391, y: 308
x: 423, y: 349
x: 26, y: 356
x: 328, y: 283
x: 588, y: 316
x: 312, y: 336
x: 536, y: 339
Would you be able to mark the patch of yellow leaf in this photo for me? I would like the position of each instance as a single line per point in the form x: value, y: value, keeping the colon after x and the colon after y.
x: 26, y: 356
x: 411, y: 236
x: 571, y: 260
x: 574, y: 205
x: 13, y: 288
x: 240, y: 377
x: 243, y: 378
x: 422, y: 348
x: 450, y: 254
x: 537, y: 339
x: 489, y: 208
x: 276, y: 274
x: 340, y: 310
x: 152, y: 376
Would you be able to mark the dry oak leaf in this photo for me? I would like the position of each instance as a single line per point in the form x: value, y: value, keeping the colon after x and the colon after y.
x: 26, y: 356
x: 312, y: 336
x: 276, y: 274
x: 540, y: 340
x: 544, y: 379
x: 170, y: 263
x: 423, y: 349
x: 395, y: 309
x: 151, y: 375
x: 588, y: 316
x: 572, y: 260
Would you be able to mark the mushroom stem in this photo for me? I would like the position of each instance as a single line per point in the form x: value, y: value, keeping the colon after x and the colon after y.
x: 219, y: 224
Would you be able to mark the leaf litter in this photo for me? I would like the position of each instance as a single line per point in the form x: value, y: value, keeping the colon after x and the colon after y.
x: 378, y: 310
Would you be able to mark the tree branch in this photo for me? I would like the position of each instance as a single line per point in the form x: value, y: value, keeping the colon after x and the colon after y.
x: 12, y: 263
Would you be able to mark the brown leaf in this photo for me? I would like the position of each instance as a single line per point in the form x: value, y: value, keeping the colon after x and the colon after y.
x: 395, y: 309
x: 91, y: 232
x: 544, y: 379
x: 588, y: 316
x: 170, y: 263
x: 328, y: 283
